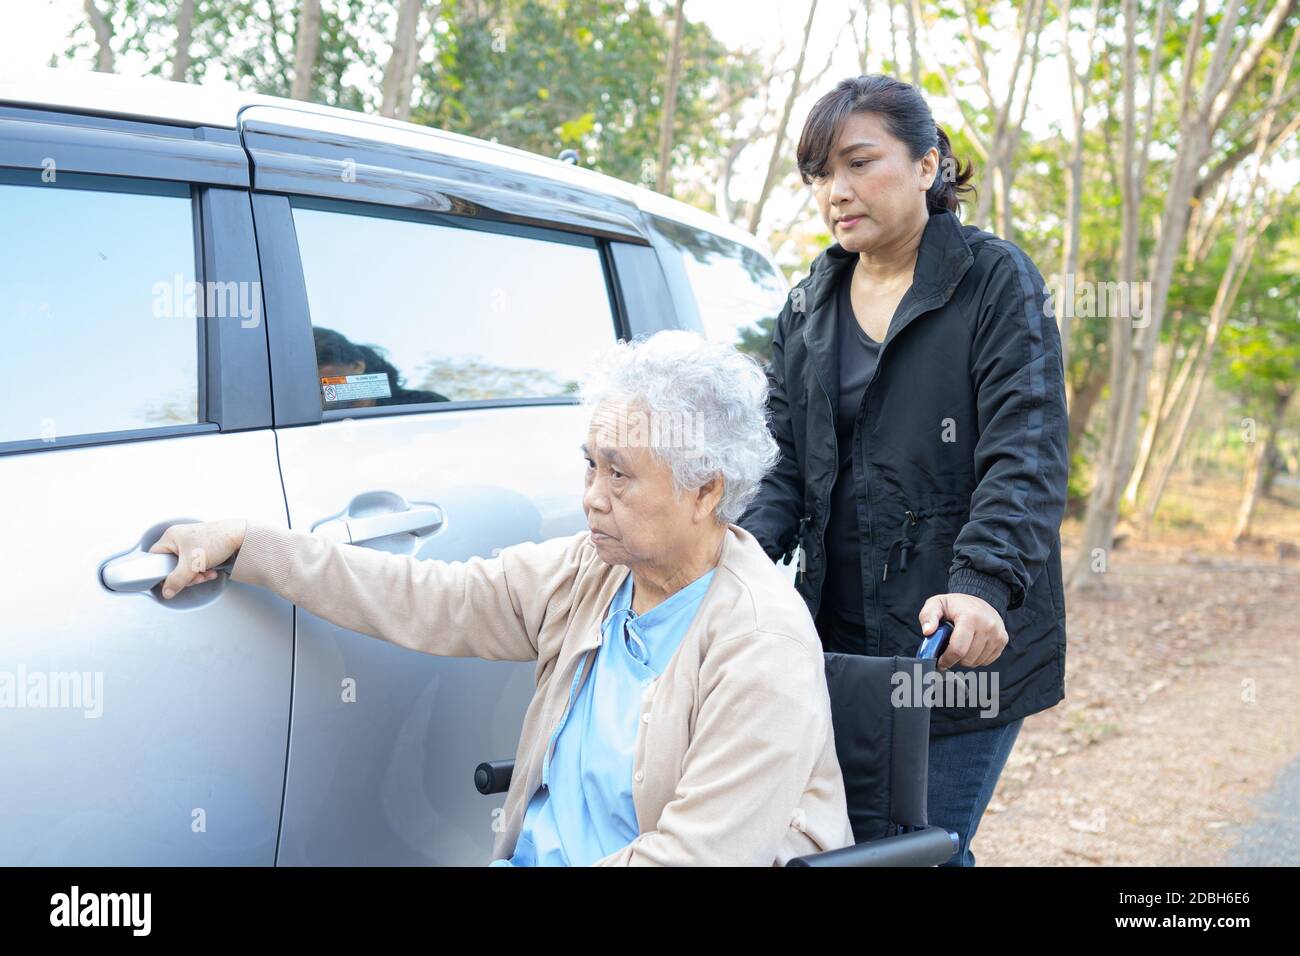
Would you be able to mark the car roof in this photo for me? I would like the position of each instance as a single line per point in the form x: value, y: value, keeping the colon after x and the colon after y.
x: 184, y: 104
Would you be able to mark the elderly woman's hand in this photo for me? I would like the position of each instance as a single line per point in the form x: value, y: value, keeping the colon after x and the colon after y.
x: 978, y: 634
x: 199, y: 548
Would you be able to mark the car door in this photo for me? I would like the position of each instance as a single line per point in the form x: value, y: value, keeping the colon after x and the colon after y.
x: 132, y: 730
x: 428, y: 335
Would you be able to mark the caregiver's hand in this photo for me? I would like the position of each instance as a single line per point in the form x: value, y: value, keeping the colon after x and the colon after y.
x: 978, y: 634
x: 198, y: 548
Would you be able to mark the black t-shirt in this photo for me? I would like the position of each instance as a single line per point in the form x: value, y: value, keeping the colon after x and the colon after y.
x: 858, y: 354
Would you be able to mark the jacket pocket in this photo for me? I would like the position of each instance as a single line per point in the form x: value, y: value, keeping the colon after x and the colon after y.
x: 929, y: 529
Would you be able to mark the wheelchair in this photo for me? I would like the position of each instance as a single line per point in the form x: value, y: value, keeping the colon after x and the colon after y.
x: 883, y: 752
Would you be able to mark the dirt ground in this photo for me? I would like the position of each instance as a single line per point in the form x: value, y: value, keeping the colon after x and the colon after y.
x: 1182, y: 697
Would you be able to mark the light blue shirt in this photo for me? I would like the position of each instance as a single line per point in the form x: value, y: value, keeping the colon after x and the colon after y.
x: 583, y: 810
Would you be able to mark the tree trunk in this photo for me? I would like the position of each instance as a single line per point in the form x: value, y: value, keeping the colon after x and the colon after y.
x: 774, y: 163
x: 1157, y: 395
x: 305, y: 48
x: 1173, y: 397
x: 1272, y: 460
x: 1074, y: 208
x: 1250, y: 498
x: 893, y: 37
x: 1112, y: 472
x: 184, y: 31
x: 914, y: 57
x: 662, y: 181
x: 103, y: 35
x: 399, y: 73
x: 866, y: 36
x: 1081, y: 409
x: 1256, y: 467
x: 1243, y: 251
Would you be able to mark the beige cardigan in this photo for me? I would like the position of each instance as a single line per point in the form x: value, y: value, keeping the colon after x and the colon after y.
x: 735, y: 760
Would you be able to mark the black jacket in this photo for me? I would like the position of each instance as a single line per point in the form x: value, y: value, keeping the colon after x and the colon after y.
x: 961, y: 458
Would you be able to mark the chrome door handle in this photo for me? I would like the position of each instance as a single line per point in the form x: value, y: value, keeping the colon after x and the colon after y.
x: 419, y: 519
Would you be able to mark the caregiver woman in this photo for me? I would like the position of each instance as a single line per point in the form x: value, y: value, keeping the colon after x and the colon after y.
x: 917, y: 397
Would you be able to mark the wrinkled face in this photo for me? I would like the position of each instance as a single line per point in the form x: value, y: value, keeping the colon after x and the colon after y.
x: 871, y: 193
x: 633, y: 511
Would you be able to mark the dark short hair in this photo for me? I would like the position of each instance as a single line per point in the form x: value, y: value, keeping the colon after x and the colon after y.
x: 906, y: 116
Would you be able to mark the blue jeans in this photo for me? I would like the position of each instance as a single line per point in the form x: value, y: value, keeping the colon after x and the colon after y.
x: 964, y: 770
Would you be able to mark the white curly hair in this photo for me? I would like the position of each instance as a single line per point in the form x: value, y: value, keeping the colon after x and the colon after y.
x: 701, y: 406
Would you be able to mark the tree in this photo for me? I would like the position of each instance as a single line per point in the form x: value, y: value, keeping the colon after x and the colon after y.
x: 400, y: 70
x: 995, y: 136
x: 1260, y: 361
x: 1203, y: 109
x: 546, y: 76
x: 306, y: 46
x: 778, y: 147
x: 662, y: 182
x: 103, y: 37
x: 184, y: 32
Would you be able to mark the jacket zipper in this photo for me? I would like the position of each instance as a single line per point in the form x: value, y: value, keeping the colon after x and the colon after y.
x: 835, y: 471
x: 866, y: 468
x: 866, y: 482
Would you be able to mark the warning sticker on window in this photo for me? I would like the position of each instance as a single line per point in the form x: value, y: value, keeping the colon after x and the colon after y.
x: 349, y: 388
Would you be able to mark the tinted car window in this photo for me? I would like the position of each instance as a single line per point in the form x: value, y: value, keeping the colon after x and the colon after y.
x: 408, y: 310
x: 98, y: 307
x: 736, y: 290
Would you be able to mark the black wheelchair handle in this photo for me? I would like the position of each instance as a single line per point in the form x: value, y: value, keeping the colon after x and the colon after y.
x: 932, y: 647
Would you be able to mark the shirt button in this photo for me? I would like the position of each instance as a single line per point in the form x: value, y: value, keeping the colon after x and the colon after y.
x: 645, y: 718
x: 638, y: 776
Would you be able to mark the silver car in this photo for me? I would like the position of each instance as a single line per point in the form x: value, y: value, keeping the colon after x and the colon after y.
x: 224, y: 305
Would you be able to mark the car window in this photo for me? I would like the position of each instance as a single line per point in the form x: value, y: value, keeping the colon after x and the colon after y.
x: 736, y: 289
x: 408, y: 310
x: 97, y: 306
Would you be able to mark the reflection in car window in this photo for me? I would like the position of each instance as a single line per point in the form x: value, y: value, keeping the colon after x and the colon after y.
x: 96, y: 307
x: 738, y: 293
x: 406, y: 310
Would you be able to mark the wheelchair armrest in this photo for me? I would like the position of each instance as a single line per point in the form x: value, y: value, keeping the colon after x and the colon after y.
x: 493, y: 776
x: 930, y: 846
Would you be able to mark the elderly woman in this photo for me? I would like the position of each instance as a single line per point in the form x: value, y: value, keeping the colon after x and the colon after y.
x: 681, y: 714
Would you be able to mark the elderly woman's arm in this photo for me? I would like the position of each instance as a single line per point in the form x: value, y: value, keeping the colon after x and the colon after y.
x: 490, y: 608
x: 759, y: 732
